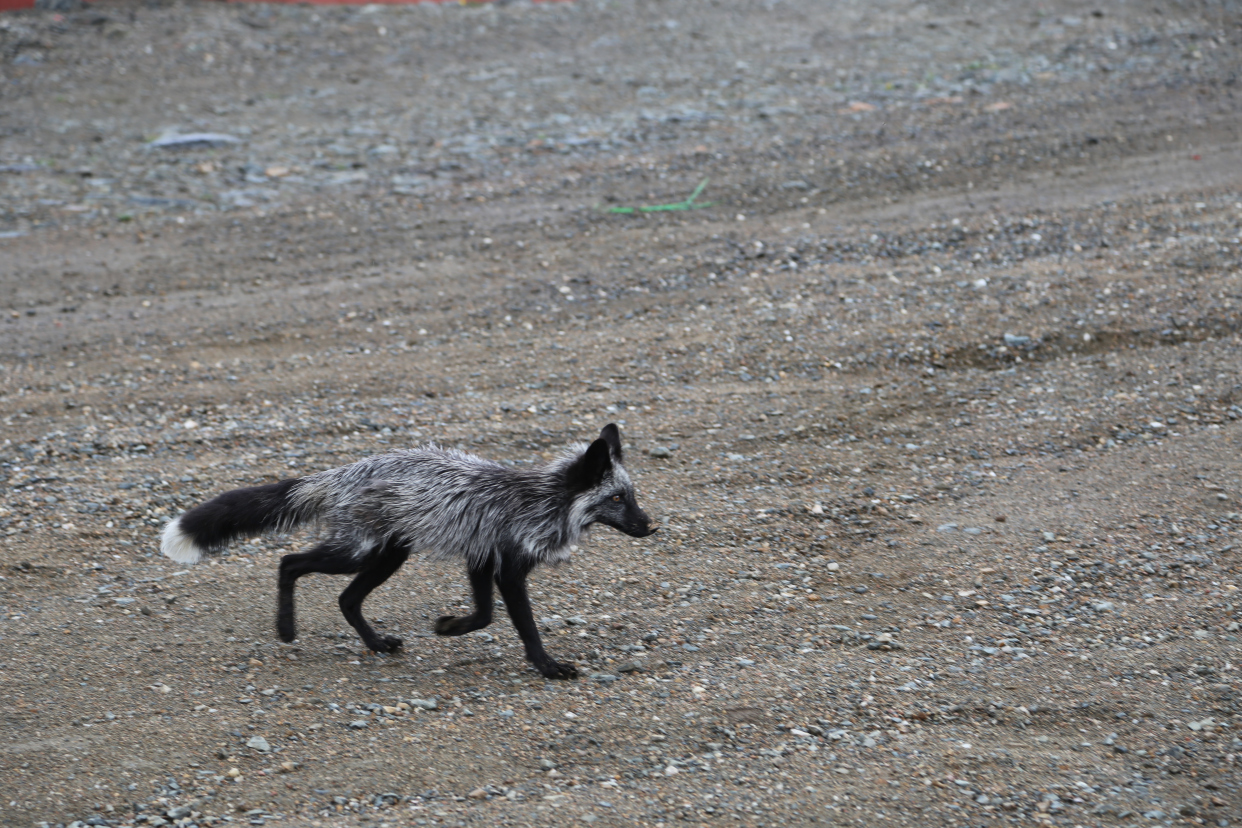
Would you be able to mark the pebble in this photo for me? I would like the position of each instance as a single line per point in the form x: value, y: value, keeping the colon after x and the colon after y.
x: 477, y: 793
x: 259, y: 743
x: 424, y: 704
x: 359, y: 724
x: 175, y: 140
x: 661, y: 451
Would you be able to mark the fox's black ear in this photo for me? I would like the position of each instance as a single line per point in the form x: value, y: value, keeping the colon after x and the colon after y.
x: 612, y: 436
x: 588, y: 470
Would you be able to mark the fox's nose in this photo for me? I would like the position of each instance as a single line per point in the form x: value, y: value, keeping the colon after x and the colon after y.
x: 653, y: 527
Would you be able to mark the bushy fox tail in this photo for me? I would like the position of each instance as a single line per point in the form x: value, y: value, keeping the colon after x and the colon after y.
x: 211, y: 526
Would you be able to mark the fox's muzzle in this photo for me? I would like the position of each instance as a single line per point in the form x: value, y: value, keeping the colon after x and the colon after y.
x: 643, y: 530
x: 635, y: 523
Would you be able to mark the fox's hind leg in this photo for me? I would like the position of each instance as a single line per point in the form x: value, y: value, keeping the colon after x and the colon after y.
x: 377, y: 567
x: 481, y: 584
x: 328, y: 558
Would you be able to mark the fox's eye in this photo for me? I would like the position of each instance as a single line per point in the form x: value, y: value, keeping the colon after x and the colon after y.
x: 616, y: 498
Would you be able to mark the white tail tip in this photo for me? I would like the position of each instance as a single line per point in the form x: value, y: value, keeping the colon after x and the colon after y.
x: 179, y: 546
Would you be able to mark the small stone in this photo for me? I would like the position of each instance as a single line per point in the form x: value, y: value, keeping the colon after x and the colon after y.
x: 424, y: 704
x: 745, y: 662
x: 259, y: 743
x: 631, y: 667
x: 507, y: 714
x: 546, y: 764
x: 288, y: 767
x: 1202, y: 635
x: 358, y: 724
x: 576, y: 621
x: 671, y: 770
x: 179, y: 812
x: 604, y: 678
x: 1103, y: 606
x: 947, y: 527
x: 477, y: 793
x: 833, y: 567
x: 661, y: 451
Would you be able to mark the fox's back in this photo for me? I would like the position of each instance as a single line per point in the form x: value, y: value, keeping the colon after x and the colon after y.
x: 441, y: 500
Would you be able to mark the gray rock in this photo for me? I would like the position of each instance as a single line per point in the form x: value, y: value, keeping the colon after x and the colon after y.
x: 259, y: 743
x: 174, y: 140
x: 661, y: 451
x: 358, y: 724
x: 424, y: 704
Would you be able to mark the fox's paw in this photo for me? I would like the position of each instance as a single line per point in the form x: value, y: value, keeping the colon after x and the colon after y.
x: 557, y: 670
x: 386, y: 644
x: 452, y: 625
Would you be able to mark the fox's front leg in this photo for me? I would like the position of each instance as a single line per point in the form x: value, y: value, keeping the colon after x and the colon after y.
x: 481, y: 584
x: 512, y: 586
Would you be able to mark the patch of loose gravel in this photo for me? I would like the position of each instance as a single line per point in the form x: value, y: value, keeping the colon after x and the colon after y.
x: 937, y: 401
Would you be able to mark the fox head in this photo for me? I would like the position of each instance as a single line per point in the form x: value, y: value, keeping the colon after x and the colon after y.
x: 601, y: 485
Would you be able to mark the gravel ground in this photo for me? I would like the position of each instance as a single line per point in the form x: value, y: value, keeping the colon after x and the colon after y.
x: 936, y: 394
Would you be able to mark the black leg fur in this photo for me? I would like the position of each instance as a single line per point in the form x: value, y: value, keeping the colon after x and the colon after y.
x: 481, y: 584
x: 377, y: 568
x: 512, y: 583
x: 326, y: 558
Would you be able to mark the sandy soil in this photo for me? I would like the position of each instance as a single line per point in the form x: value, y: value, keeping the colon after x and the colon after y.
x: 936, y: 392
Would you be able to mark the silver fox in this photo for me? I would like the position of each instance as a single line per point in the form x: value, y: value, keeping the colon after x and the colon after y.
x: 503, y: 522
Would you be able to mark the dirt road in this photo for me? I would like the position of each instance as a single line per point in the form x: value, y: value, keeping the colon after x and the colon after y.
x: 935, y: 388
